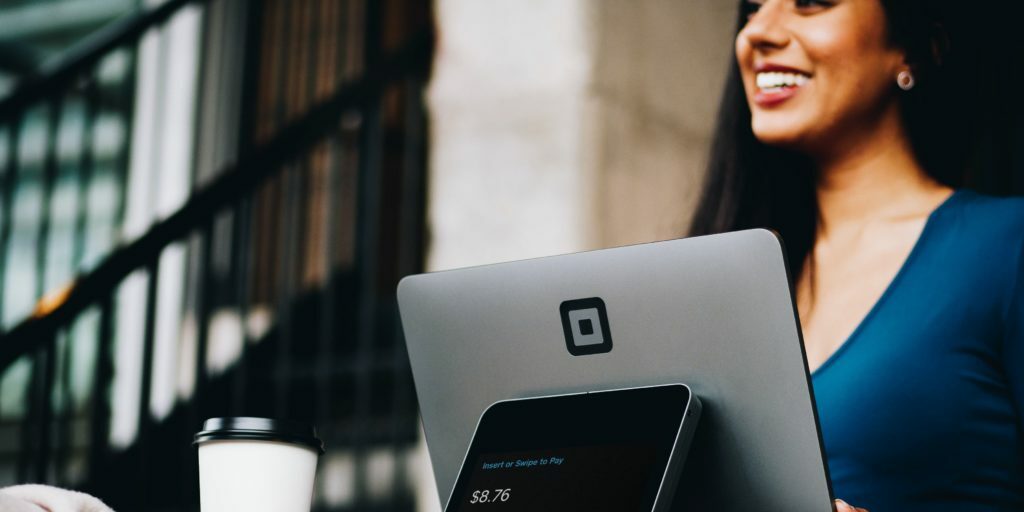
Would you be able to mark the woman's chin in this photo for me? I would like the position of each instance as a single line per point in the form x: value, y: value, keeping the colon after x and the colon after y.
x: 788, y: 139
x: 799, y: 133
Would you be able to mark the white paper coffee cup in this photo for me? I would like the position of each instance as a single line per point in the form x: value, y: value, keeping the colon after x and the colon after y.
x: 256, y: 465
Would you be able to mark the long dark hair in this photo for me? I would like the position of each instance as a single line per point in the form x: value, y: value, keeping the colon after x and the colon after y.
x: 750, y: 184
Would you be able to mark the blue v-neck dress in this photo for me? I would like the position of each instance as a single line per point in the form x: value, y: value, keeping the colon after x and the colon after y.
x: 922, y: 408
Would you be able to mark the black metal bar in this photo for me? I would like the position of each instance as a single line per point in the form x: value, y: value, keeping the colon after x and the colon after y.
x: 50, y: 163
x: 86, y: 164
x: 99, y: 431
x: 367, y: 245
x: 63, y: 443
x: 10, y: 184
x: 200, y: 165
x: 311, y: 170
x: 337, y: 169
x: 243, y: 212
x: 85, y: 171
x: 291, y: 201
x: 29, y: 440
x: 204, y: 246
x: 312, y: 71
x: 204, y: 307
x: 45, y: 404
x: 411, y: 225
x: 281, y: 55
x: 28, y: 461
x: 127, y: 94
x: 410, y: 249
x: 300, y: 196
x: 282, y: 314
x: 196, y: 405
x: 250, y: 74
x: 242, y: 265
x: 195, y: 408
x: 373, y: 39
x: 39, y: 421
x: 328, y: 300
x: 250, y: 171
x: 144, y: 421
x: 37, y: 424
x: 344, y: 6
x: 54, y: 76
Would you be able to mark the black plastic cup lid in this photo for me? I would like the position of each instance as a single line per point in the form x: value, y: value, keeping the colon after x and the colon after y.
x: 259, y: 429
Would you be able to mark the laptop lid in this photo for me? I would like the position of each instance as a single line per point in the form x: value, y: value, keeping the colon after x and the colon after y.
x: 715, y: 312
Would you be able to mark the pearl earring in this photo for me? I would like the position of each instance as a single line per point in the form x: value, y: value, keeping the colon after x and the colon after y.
x: 906, y: 80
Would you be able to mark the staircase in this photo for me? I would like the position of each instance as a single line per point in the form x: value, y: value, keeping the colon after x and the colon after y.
x: 268, y: 288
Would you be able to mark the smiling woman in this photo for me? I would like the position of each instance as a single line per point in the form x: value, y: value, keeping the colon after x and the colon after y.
x: 848, y: 126
x: 839, y: 55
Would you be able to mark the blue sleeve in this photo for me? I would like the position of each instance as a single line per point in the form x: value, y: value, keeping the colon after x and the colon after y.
x: 1014, y: 342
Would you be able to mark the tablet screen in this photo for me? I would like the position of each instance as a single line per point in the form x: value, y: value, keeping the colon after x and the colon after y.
x: 593, y: 452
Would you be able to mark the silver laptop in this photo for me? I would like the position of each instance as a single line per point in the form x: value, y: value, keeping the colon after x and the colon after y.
x: 713, y: 312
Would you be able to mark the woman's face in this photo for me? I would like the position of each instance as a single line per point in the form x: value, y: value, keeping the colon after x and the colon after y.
x: 817, y: 71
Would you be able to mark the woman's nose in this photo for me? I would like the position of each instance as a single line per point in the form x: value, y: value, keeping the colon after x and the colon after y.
x: 766, y: 29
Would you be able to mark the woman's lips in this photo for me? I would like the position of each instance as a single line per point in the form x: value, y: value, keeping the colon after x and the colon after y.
x: 777, y: 84
x: 770, y: 98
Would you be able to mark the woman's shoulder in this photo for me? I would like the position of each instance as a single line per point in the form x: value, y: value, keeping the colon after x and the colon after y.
x: 984, y: 239
x: 980, y: 227
x: 1002, y: 217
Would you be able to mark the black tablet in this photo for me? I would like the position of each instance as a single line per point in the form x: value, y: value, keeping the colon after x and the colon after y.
x: 616, y: 451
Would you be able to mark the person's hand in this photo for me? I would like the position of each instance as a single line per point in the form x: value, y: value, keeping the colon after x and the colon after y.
x: 842, y: 506
x: 29, y: 498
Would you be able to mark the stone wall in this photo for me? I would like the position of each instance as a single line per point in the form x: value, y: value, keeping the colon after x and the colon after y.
x: 659, y: 67
x: 560, y: 126
x: 566, y: 125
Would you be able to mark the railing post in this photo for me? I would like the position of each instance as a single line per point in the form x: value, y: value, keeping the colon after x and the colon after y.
x: 85, y: 172
x: 196, y: 408
x: 144, y: 422
x: 410, y: 243
x: 285, y: 288
x: 28, y: 430
x: 45, y: 401
x: 328, y: 300
x: 10, y: 183
x: 282, y: 288
x: 62, y: 445
x: 37, y: 424
x: 54, y: 114
x: 367, y: 244
x: 127, y: 111
x: 242, y: 228
x: 99, y: 431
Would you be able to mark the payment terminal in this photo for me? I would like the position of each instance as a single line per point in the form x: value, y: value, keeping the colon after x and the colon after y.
x: 618, y: 450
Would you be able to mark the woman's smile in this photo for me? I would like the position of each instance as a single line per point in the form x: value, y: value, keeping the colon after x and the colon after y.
x: 776, y: 84
x: 819, y: 72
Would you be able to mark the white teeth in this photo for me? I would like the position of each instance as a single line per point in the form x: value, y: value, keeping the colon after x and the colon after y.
x: 773, y: 80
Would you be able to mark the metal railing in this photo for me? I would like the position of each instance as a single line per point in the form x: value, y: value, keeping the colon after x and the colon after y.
x: 330, y: 349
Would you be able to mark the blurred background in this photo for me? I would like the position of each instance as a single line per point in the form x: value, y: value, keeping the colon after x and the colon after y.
x: 206, y: 206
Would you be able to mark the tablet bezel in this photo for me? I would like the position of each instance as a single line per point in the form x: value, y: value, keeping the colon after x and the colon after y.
x: 654, y: 416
